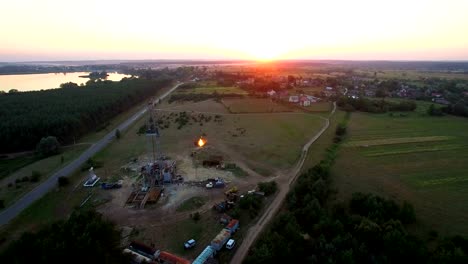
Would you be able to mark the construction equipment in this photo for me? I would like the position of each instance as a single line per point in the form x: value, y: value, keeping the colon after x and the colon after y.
x: 232, y: 190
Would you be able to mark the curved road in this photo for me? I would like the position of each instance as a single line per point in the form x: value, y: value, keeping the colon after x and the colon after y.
x: 11, y: 212
x: 284, y: 185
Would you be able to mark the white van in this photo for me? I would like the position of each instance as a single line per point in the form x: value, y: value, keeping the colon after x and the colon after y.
x: 230, y: 244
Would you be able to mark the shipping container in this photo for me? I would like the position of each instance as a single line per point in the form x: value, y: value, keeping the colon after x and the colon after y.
x: 233, y: 225
x: 207, y: 253
x: 218, y: 242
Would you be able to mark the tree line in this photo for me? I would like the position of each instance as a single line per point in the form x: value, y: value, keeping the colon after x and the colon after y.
x: 70, y: 112
x: 374, y: 106
x: 86, y: 237
x: 314, y: 228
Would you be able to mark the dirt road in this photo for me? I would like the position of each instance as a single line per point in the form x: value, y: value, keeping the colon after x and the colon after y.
x: 284, y: 184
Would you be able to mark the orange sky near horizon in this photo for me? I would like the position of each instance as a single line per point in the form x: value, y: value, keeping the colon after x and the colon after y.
x: 256, y: 30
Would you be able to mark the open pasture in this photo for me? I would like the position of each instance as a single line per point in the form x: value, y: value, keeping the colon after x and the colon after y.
x: 253, y: 105
x: 212, y: 89
x: 416, y: 158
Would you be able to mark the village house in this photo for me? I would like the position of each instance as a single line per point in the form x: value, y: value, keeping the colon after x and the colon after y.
x: 440, y: 100
x: 294, y: 99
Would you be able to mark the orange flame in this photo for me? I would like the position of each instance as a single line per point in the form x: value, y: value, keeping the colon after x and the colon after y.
x: 201, y: 142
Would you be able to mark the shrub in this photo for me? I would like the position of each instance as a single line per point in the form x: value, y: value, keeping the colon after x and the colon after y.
x: 48, y: 146
x: 35, y: 176
x: 2, y: 204
x: 268, y: 187
x: 91, y: 163
x: 235, y: 213
x: 196, y: 216
x: 340, y: 129
x: 63, y: 181
x: 407, y: 213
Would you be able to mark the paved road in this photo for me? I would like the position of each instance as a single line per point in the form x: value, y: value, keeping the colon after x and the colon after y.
x: 285, y: 184
x: 11, y: 212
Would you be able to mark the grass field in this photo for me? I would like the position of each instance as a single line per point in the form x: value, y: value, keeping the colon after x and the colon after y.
x: 212, y: 89
x: 413, y: 75
x: 45, y: 167
x: 317, y: 150
x: 318, y: 107
x: 8, y: 166
x: 254, y: 105
x: 192, y: 204
x: 417, y: 158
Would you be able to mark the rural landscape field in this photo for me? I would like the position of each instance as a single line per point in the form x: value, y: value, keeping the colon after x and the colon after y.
x: 207, y: 132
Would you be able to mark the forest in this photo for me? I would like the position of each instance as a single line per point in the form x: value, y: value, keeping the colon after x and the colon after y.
x: 69, y: 112
x: 314, y: 228
x: 85, y: 237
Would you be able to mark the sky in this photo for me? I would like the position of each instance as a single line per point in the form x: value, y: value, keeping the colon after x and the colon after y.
x: 32, y: 30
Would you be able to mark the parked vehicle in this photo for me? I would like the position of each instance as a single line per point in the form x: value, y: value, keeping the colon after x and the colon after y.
x: 230, y: 244
x: 190, y: 244
x: 220, y: 240
x: 111, y: 185
x: 233, y: 225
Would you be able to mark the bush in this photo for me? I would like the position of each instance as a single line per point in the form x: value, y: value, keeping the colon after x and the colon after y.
x: 196, y: 216
x: 48, y: 146
x: 252, y: 203
x: 25, y: 179
x: 434, y: 111
x: 91, y: 163
x: 235, y: 213
x: 63, y: 181
x: 340, y: 129
x: 268, y: 187
x: 2, y: 204
x: 35, y: 176
x: 407, y: 215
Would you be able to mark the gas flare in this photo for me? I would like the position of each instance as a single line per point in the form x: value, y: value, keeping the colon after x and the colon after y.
x: 201, y: 142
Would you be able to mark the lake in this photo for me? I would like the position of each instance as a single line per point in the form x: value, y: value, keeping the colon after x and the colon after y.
x: 43, y: 81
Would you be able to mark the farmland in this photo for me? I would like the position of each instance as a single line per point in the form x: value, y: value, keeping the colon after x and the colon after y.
x: 213, y: 89
x: 415, y: 158
x: 253, y: 105
x: 414, y: 75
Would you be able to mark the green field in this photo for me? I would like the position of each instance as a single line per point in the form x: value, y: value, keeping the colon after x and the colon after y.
x: 11, y: 191
x: 213, y: 89
x: 254, y: 105
x: 417, y: 158
x: 414, y: 75
x: 8, y: 166
x: 192, y: 204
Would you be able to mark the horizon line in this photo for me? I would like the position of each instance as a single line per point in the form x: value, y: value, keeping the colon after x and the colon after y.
x: 232, y: 60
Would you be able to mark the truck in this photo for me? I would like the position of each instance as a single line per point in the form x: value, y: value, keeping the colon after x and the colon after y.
x: 233, y: 225
x: 111, y: 185
x: 218, y: 242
